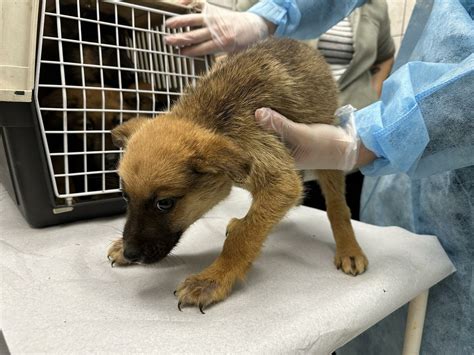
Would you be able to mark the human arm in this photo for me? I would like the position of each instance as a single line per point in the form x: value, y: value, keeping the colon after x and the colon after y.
x: 319, y: 146
x: 219, y: 30
x: 229, y: 31
x: 385, y: 50
x: 422, y: 126
x: 380, y: 72
x: 304, y: 19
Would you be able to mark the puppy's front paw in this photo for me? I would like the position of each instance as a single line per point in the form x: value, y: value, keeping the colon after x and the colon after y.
x: 115, y: 254
x: 200, y: 290
x: 352, y: 263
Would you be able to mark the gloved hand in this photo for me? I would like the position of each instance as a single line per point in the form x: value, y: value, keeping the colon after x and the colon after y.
x: 316, y: 146
x: 221, y: 31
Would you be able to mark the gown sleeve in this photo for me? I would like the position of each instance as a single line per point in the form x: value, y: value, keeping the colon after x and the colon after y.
x: 424, y: 123
x: 304, y: 19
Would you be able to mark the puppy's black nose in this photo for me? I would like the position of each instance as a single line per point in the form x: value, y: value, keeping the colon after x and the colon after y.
x: 132, y: 253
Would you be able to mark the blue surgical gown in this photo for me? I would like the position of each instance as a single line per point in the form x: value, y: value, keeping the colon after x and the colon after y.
x: 422, y: 132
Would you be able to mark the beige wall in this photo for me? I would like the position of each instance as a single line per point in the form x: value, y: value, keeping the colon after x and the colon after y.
x: 399, y: 12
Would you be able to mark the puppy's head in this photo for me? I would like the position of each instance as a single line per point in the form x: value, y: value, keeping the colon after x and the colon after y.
x: 172, y: 172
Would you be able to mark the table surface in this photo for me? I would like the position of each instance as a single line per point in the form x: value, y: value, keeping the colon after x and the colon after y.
x: 59, y: 293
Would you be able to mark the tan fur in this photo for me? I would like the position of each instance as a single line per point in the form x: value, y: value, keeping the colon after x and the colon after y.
x: 210, y: 141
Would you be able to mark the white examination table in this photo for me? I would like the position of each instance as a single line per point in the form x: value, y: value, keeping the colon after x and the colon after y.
x: 60, y: 294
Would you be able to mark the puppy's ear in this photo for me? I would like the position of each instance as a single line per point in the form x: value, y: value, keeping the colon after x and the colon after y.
x: 121, y: 134
x: 221, y: 156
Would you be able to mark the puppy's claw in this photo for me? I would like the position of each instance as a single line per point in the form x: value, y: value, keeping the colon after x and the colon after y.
x: 201, y: 291
x: 174, y: 292
x: 115, y: 254
x: 353, y: 264
x: 179, y: 306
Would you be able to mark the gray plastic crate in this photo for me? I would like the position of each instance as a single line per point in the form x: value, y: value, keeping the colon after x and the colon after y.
x: 98, y: 63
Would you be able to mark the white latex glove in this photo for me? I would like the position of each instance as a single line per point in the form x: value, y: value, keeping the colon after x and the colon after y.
x: 316, y: 146
x: 220, y: 30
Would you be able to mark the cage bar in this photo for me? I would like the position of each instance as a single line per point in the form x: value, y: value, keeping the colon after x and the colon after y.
x: 113, y: 65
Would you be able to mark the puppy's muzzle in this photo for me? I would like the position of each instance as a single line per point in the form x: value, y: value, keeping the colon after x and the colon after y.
x: 151, y: 251
x: 132, y: 253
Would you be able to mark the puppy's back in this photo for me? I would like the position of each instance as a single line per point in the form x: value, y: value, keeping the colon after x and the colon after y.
x: 306, y: 88
x: 283, y: 74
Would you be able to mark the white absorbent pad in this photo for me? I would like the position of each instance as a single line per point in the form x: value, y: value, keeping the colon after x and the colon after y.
x: 60, y: 294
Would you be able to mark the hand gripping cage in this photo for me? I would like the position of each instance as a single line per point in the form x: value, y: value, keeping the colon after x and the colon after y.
x: 98, y: 64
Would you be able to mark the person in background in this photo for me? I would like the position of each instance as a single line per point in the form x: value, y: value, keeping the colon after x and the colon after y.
x: 415, y: 146
x: 360, y: 51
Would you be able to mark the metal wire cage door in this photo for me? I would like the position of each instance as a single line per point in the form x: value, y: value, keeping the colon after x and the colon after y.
x: 99, y: 64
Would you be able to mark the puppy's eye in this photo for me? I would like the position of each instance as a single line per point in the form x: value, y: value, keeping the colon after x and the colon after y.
x: 166, y: 204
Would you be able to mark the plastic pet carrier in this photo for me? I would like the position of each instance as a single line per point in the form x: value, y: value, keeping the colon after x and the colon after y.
x: 70, y: 72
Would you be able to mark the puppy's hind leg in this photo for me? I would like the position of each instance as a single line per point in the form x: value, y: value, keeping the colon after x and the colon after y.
x: 271, y: 201
x: 349, y: 256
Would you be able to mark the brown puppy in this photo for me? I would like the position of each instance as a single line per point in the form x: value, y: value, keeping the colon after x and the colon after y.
x: 178, y: 166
